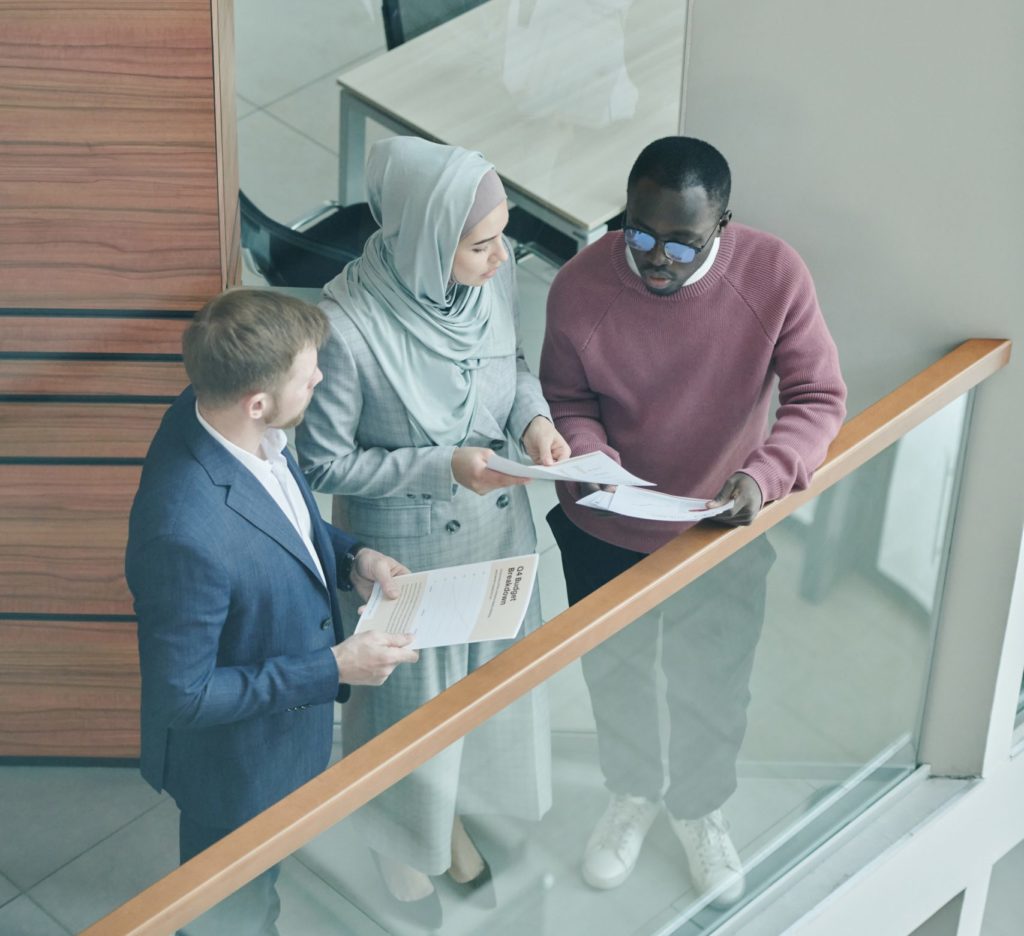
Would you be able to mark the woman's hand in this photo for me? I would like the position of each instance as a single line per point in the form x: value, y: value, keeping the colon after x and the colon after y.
x: 544, y: 443
x: 371, y: 566
x: 469, y: 468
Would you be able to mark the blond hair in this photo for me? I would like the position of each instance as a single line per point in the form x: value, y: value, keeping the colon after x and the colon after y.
x: 245, y: 341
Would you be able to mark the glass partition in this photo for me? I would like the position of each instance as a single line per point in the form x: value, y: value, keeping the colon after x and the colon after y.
x: 759, y: 708
x: 560, y: 96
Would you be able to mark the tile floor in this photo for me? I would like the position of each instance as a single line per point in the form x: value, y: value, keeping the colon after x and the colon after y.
x: 77, y: 841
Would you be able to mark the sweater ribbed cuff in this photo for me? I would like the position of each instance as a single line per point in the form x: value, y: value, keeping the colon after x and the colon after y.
x: 585, y: 436
x: 771, y: 485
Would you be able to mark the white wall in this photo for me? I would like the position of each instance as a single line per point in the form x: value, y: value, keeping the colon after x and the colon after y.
x: 885, y: 141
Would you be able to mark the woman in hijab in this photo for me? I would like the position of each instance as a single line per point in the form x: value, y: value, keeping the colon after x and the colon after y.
x: 423, y: 380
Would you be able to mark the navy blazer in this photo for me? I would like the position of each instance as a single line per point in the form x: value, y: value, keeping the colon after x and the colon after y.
x: 235, y: 628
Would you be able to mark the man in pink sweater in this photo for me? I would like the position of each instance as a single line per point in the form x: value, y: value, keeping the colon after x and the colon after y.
x: 664, y: 342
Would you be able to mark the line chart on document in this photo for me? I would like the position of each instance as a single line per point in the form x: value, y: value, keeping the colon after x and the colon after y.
x: 456, y: 598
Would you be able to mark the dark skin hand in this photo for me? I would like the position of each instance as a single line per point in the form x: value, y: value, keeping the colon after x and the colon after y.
x: 744, y: 490
x: 740, y: 487
x: 588, y: 487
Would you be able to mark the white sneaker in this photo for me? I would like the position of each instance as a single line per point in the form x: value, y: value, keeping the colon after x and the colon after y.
x: 614, y: 845
x: 715, y: 866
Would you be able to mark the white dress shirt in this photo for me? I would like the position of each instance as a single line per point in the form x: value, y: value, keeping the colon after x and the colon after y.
x: 272, y: 472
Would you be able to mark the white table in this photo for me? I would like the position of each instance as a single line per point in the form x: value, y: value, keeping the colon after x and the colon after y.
x: 561, y: 95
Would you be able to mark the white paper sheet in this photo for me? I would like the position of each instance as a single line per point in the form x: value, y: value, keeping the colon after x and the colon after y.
x: 595, y: 467
x: 652, y: 505
x: 456, y: 605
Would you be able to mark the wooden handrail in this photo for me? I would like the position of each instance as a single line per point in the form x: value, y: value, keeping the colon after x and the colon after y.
x: 341, y: 789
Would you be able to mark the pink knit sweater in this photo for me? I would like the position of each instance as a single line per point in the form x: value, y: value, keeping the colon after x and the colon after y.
x: 677, y: 388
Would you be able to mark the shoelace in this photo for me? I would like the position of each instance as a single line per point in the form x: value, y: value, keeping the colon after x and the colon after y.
x: 710, y: 836
x: 624, y: 815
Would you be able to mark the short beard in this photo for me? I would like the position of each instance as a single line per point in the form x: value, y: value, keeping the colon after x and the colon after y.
x: 270, y: 417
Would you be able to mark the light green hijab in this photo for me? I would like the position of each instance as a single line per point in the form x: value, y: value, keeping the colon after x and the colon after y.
x: 428, y: 334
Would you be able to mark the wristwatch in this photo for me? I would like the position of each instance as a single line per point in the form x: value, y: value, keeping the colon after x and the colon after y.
x: 348, y: 562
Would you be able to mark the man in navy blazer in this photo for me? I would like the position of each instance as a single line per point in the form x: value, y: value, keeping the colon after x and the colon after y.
x: 241, y: 644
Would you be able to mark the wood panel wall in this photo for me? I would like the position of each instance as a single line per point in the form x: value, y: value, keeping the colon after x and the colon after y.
x: 118, y: 219
x: 109, y: 176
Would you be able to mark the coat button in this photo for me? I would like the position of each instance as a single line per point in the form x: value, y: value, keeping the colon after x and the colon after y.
x: 497, y: 444
x: 325, y: 624
x: 503, y: 500
x: 453, y: 526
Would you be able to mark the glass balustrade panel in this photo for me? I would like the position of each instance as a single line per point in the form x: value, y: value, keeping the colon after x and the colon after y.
x: 680, y: 767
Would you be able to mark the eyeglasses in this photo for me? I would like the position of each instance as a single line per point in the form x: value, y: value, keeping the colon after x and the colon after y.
x: 676, y: 252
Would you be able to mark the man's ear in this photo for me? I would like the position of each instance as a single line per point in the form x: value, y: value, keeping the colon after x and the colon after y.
x: 255, y: 404
x: 726, y: 218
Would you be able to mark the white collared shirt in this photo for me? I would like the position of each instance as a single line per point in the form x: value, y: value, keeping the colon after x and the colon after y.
x: 709, y: 262
x: 272, y: 472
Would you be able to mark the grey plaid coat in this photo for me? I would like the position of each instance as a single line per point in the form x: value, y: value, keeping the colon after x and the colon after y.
x: 356, y: 443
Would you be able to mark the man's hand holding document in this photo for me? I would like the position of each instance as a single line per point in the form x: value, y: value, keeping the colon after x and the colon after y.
x: 652, y: 505
x: 460, y: 604
x: 628, y: 498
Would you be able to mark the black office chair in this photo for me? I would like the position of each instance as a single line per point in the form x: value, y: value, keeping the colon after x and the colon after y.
x: 310, y: 253
x: 533, y: 236
x: 405, y: 21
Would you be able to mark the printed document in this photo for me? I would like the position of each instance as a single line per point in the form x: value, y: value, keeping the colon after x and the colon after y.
x: 595, y: 467
x: 460, y: 604
x: 652, y: 505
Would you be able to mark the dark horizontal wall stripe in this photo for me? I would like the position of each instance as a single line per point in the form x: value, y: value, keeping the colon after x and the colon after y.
x: 84, y: 618
x: 41, y: 399
x: 16, y: 460
x: 86, y: 356
x: 69, y: 761
x: 134, y: 314
x: 73, y: 398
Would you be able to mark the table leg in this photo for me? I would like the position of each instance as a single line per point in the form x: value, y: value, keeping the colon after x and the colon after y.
x: 351, y: 151
x: 585, y: 238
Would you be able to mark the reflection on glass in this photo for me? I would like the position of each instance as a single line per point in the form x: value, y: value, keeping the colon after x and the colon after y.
x: 705, y: 636
x: 504, y: 767
x: 560, y: 37
x: 923, y: 472
x: 589, y: 83
x: 560, y: 94
x: 781, y: 690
